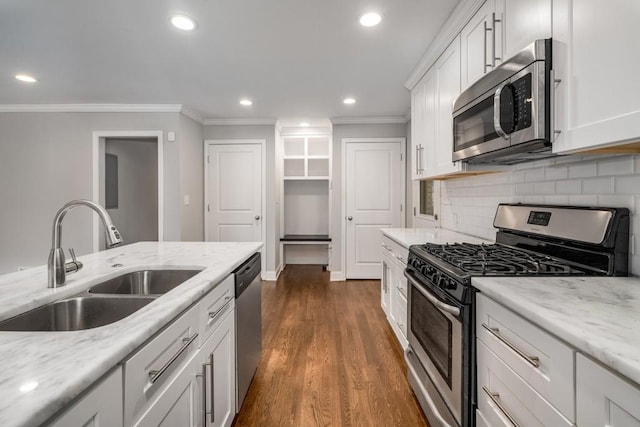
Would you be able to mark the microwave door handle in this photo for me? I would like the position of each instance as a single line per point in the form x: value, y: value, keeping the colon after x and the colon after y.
x: 496, y: 114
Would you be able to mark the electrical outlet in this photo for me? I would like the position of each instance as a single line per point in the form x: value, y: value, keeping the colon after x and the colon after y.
x: 187, y: 200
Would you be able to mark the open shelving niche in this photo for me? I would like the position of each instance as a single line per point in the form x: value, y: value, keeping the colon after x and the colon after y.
x: 306, y: 199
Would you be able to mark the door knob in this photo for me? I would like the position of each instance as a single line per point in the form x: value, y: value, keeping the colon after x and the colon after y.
x: 350, y: 218
x: 257, y: 217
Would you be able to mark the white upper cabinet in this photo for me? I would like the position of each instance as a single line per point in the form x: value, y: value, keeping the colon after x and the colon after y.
x: 447, y: 70
x: 477, y: 45
x: 418, y: 130
x: 499, y: 30
x: 594, y: 56
x: 519, y: 23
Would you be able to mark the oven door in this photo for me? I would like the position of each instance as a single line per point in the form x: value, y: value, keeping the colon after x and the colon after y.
x: 436, y: 338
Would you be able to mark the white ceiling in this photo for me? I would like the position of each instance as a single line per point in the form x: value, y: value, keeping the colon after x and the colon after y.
x: 293, y: 58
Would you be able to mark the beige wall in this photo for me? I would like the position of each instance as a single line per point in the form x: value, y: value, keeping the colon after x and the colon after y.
x: 46, y: 161
x: 191, y: 141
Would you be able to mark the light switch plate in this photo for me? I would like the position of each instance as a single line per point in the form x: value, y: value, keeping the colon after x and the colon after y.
x: 187, y: 200
x: 171, y: 136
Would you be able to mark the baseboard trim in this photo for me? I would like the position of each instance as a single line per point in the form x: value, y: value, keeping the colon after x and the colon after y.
x: 272, y: 276
x: 337, y: 276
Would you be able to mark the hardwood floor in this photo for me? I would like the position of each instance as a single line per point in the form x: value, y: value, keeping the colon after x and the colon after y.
x: 329, y: 357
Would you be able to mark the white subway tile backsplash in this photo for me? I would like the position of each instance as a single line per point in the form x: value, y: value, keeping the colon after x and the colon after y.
x: 468, y: 204
x: 616, y: 201
x: 583, y: 200
x: 534, y: 175
x: 544, y: 188
x: 627, y: 184
x: 556, y: 172
x: 621, y: 165
x: 602, y: 185
x: 583, y: 169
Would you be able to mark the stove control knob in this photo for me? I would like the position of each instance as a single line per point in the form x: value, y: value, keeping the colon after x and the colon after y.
x: 451, y: 284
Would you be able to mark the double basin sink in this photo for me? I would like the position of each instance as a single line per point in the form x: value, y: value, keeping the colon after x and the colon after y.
x: 102, y: 304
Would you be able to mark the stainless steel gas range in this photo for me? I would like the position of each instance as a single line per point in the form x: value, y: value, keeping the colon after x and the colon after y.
x: 531, y: 240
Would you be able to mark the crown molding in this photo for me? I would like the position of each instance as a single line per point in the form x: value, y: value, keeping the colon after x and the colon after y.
x: 367, y: 120
x: 447, y: 33
x: 239, y: 122
x: 192, y: 115
x: 91, y: 108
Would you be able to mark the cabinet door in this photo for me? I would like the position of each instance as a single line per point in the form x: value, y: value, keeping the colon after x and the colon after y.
x: 101, y: 406
x: 219, y: 355
x: 597, y: 100
x: 418, y: 130
x: 603, y: 398
x: 476, y: 45
x: 520, y: 23
x: 447, y: 70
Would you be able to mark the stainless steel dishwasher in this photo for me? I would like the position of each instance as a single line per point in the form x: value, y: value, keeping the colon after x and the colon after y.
x: 248, y: 325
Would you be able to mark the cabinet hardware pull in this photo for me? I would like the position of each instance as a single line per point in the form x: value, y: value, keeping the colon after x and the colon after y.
x: 204, y: 393
x: 213, y: 314
x: 400, y: 292
x: 494, y: 58
x: 532, y: 360
x: 213, y: 409
x: 484, y: 57
x: 154, y: 375
x: 495, y: 398
x: 401, y: 259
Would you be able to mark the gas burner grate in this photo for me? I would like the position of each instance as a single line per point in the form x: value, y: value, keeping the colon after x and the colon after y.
x: 497, y: 259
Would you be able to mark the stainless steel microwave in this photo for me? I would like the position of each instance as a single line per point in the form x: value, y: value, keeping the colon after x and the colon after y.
x: 504, y: 117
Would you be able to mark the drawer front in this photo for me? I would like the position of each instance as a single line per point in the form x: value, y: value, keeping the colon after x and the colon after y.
x: 522, y: 346
x: 147, y: 372
x: 396, y: 250
x: 211, y: 306
x: 402, y: 315
x: 503, y: 394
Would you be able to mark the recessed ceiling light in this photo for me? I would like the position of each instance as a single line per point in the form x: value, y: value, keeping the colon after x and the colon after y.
x: 349, y: 101
x: 304, y: 124
x: 183, y: 22
x: 26, y: 78
x: 246, y: 102
x: 370, y: 19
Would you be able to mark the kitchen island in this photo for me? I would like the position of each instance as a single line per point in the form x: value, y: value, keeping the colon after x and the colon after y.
x: 43, y: 372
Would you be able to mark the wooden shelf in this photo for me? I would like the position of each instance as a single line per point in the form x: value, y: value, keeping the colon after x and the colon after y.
x: 305, y: 238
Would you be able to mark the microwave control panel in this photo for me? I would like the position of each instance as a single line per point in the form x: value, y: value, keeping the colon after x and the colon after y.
x: 515, y: 105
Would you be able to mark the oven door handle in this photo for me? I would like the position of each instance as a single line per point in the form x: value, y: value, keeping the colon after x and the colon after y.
x: 435, y: 301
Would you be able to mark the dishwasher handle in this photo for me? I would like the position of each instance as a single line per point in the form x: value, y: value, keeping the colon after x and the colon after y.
x: 246, y: 273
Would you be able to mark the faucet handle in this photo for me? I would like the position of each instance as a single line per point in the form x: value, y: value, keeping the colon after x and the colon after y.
x: 74, y: 265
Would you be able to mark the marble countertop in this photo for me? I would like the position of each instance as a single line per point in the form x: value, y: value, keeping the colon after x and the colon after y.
x: 414, y: 236
x: 599, y: 316
x: 52, y: 368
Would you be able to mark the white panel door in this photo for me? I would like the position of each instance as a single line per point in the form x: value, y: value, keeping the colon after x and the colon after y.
x: 235, y: 193
x: 374, y: 199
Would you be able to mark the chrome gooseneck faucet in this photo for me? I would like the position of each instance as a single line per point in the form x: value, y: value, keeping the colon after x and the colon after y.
x: 58, y: 267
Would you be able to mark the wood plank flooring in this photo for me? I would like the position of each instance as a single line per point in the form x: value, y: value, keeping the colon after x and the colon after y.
x: 329, y: 357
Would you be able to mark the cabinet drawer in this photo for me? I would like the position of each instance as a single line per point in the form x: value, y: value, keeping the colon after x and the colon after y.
x: 396, y: 250
x: 503, y: 394
x: 147, y: 371
x: 211, y: 306
x: 521, y: 345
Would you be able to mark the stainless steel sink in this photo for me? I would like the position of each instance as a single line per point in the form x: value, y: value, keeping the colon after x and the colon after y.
x: 77, y: 313
x: 144, y: 282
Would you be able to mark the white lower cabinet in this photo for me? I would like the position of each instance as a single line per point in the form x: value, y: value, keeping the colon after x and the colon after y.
x: 100, y: 406
x: 218, y: 362
x: 506, y: 399
x: 603, y: 398
x: 394, y: 288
